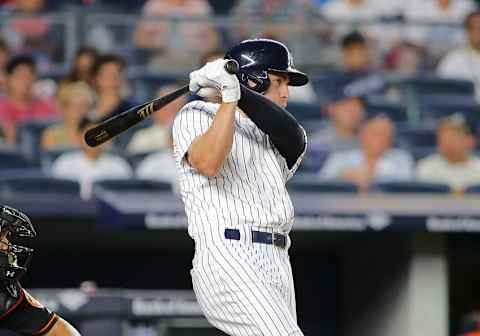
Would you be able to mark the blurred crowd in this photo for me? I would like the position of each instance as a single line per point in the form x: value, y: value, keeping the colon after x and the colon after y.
x: 356, y: 51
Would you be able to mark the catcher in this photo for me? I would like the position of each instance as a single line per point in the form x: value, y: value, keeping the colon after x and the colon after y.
x: 19, y: 311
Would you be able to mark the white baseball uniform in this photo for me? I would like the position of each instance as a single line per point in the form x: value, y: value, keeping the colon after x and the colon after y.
x: 243, y: 287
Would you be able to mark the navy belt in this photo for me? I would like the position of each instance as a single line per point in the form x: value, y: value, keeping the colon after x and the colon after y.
x: 269, y: 238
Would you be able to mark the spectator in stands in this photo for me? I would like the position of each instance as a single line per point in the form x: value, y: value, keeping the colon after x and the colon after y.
x: 75, y: 101
x: 354, y: 53
x: 20, y: 104
x: 109, y: 82
x: 156, y: 136
x: 346, y: 111
x: 438, y: 39
x: 376, y: 160
x: 464, y: 62
x: 90, y: 164
x: 404, y: 58
x: 353, y: 10
x: 437, y: 11
x: 454, y: 163
x: 341, y: 131
x: 176, y: 44
x: 4, y: 57
x: 160, y: 165
x: 29, y: 31
x: 82, y: 66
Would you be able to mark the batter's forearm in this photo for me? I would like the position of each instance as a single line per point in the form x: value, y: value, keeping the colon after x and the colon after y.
x: 283, y: 129
x: 208, y: 151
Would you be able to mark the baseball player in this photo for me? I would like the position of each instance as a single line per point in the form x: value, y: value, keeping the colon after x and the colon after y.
x: 234, y: 157
x: 19, y: 311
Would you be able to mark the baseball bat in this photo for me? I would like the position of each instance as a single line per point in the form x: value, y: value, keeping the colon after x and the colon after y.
x: 113, y: 126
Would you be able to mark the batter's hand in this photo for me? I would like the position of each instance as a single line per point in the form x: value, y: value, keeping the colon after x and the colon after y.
x: 213, y: 75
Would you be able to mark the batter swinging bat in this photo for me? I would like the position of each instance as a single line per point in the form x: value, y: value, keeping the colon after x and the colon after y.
x: 119, y: 123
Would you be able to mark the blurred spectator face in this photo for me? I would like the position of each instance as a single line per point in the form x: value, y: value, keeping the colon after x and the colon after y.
x: 83, y: 65
x: 355, y: 57
x: 110, y: 77
x: 473, y: 31
x: 76, y: 100
x: 20, y: 81
x: 29, y: 6
x: 454, y: 142
x: 404, y: 59
x: 166, y: 115
x: 347, y: 114
x: 377, y: 136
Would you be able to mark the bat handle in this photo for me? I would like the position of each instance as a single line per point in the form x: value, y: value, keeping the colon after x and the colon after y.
x: 232, y: 66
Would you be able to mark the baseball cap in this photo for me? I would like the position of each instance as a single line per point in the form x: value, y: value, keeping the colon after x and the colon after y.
x: 459, y: 121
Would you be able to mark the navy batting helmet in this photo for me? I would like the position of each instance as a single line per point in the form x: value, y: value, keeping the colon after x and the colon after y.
x: 257, y: 57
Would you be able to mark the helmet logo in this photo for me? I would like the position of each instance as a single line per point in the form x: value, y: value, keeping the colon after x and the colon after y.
x: 249, y: 60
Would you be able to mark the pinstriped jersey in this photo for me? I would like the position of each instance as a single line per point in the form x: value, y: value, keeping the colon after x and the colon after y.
x: 249, y: 190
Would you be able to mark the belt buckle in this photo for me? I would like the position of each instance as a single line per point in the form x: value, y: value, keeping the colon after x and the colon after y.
x: 279, y: 240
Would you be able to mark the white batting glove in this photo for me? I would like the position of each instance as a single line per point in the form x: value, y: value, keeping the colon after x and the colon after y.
x: 213, y: 74
x: 202, y: 86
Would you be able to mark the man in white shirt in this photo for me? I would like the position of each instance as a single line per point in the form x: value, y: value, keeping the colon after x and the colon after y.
x: 160, y: 165
x: 90, y: 164
x: 376, y: 160
x: 157, y: 136
x: 454, y: 163
x: 464, y: 63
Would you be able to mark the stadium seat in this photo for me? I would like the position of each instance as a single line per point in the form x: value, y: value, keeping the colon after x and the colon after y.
x: 40, y: 184
x: 419, y: 153
x: 11, y: 159
x: 314, y: 159
x: 29, y: 138
x: 135, y: 159
x: 433, y: 108
x: 379, y: 105
x: 127, y: 185
x: 416, y: 137
x: 425, y: 85
x: 305, y: 111
x: 473, y: 189
x: 311, y: 183
x: 411, y: 187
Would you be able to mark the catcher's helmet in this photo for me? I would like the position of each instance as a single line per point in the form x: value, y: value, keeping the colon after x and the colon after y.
x: 14, y: 259
x: 257, y: 57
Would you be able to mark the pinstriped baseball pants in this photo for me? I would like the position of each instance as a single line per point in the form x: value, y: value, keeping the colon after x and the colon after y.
x: 245, y: 288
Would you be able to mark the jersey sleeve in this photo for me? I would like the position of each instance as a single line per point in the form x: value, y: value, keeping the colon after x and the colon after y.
x: 192, y: 121
x: 28, y: 316
x: 289, y: 172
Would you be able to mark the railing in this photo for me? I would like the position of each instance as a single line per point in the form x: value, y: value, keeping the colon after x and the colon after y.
x: 178, y: 43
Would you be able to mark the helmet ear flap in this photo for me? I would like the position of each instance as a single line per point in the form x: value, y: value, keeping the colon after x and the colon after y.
x: 255, y: 82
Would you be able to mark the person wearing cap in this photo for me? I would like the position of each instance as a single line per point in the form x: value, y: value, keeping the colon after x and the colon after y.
x: 346, y: 112
x: 453, y: 164
x: 340, y: 132
x: 375, y: 160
